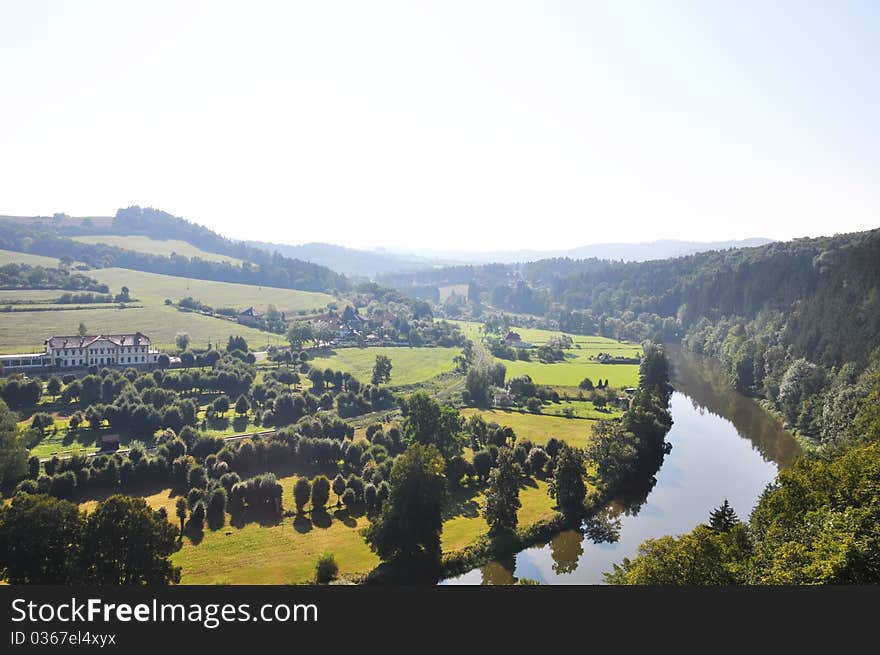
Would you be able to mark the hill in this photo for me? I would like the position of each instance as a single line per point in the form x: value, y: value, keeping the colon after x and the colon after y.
x: 635, y: 252
x: 349, y: 261
x: 151, y: 246
x: 53, y: 237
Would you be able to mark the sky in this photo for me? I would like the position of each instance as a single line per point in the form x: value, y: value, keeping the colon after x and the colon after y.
x: 447, y: 125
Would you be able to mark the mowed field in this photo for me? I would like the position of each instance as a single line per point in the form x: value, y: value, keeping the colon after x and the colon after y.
x: 408, y: 365
x: 284, y: 552
x: 538, y: 428
x: 25, y: 331
x: 150, y: 246
x: 11, y: 257
x: 156, y: 287
x: 460, y: 290
x: 577, y: 364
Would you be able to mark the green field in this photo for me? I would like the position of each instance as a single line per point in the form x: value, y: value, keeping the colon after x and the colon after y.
x: 25, y: 331
x: 150, y: 246
x: 8, y: 296
x: 574, y: 369
x: 538, y: 428
x: 409, y: 365
x: 284, y: 552
x: 154, y: 287
x: 577, y: 364
x: 461, y: 290
x: 467, y: 523
x: 12, y: 257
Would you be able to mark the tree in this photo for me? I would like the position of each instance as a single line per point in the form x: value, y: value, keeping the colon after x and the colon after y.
x: 163, y: 361
x: 723, y: 518
x: 41, y: 421
x: 242, y: 406
x: 534, y: 404
x: 181, y: 507
x: 409, y: 525
x: 320, y: 492
x: 701, y: 557
x: 381, y: 369
x: 53, y: 386
x: 586, y: 384
x: 479, y: 387
x: 40, y: 540
x: 127, y: 543
x: 326, y: 569
x: 82, y: 329
x: 221, y: 404
x: 502, y: 496
x: 182, y: 340
x: 567, y: 485
x: 338, y: 488
x: 298, y: 333
x: 187, y: 358
x: 13, y: 449
x: 302, y: 491
x: 429, y: 423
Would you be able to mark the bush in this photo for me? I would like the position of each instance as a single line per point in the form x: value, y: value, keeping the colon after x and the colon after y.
x: 326, y: 568
x: 349, y: 498
x: 216, y: 512
x: 194, y: 496
x: 197, y: 517
x: 320, y: 492
x: 302, y: 491
x: 63, y: 485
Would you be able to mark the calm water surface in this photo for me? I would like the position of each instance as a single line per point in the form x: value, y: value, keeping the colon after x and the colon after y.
x: 723, y: 446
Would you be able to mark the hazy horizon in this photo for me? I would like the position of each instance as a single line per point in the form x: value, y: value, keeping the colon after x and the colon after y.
x: 463, y: 126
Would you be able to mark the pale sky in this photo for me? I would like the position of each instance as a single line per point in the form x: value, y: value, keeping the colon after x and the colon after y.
x: 457, y: 125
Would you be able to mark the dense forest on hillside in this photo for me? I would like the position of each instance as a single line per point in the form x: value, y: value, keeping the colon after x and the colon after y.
x: 51, y: 238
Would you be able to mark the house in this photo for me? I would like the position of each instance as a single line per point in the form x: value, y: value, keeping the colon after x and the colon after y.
x: 88, y: 350
x: 250, y: 317
x: 381, y: 318
x: 502, y: 398
x: 513, y: 339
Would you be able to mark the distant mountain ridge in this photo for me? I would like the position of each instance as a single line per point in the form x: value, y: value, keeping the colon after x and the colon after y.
x: 350, y: 261
x: 635, y: 252
x: 372, y: 263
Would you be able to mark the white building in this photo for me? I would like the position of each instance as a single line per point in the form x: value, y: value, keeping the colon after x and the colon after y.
x: 81, y: 352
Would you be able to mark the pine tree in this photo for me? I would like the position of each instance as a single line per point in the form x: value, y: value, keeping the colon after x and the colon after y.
x: 724, y: 518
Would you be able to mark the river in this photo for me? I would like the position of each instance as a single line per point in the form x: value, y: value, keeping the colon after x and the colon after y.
x: 723, y: 446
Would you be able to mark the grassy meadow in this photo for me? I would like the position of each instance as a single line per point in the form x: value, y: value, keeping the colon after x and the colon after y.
x: 409, y: 365
x: 12, y: 257
x: 152, y: 288
x: 538, y: 428
x: 577, y: 364
x: 25, y: 331
x: 150, y: 246
x: 284, y: 551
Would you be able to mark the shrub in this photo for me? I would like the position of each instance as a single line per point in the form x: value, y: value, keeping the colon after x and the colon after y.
x: 326, y: 568
x: 216, y: 512
x: 197, y: 517
x: 302, y: 491
x: 349, y: 498
x: 320, y: 492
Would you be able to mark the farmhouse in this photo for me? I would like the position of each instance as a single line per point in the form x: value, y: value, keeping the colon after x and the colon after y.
x: 81, y: 351
x: 250, y: 317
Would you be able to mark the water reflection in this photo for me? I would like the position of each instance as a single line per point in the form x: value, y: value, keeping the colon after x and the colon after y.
x: 724, y: 446
x: 566, y: 549
x: 703, y: 380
